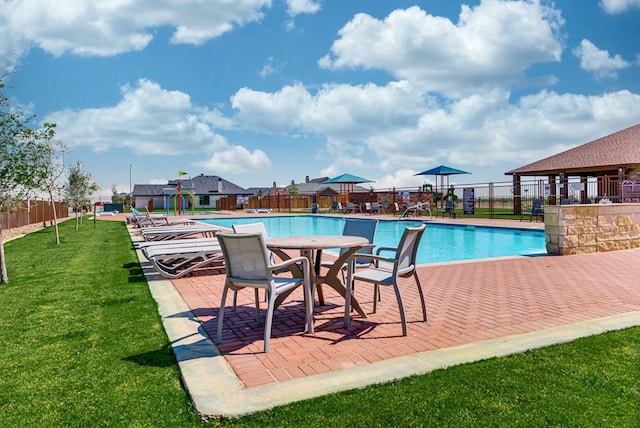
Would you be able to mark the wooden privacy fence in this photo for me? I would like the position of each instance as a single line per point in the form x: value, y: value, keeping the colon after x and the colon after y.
x: 31, y: 212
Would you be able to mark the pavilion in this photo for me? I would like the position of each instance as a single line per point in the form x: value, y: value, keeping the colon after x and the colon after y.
x: 608, y: 160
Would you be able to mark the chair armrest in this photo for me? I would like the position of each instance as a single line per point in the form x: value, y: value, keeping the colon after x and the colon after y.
x: 373, y: 257
x: 381, y: 249
x: 292, y: 261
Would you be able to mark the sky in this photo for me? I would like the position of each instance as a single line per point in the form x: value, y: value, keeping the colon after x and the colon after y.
x: 264, y: 91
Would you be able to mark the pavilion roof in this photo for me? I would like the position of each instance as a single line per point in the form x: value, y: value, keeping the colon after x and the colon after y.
x: 621, y: 148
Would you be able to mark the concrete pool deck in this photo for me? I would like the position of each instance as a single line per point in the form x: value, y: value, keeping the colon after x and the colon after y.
x: 477, y: 310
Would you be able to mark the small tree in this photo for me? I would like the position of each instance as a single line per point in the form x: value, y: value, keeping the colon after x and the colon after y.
x: 20, y: 156
x: 293, y: 193
x: 50, y: 167
x: 79, y: 189
x: 259, y: 192
x: 115, y: 196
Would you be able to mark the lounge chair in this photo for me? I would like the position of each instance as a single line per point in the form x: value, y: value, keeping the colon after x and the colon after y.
x: 426, y: 208
x: 174, y: 243
x: 403, y: 266
x: 181, y: 259
x: 161, y: 233
x: 375, y: 208
x: 248, y: 265
x: 536, y: 211
x: 136, y: 218
x: 261, y: 211
x: 146, y: 219
x: 396, y: 208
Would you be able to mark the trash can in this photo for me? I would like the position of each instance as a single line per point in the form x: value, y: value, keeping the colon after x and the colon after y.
x: 314, y: 208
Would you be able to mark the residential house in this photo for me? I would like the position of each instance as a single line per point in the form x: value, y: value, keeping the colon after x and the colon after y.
x: 202, y: 191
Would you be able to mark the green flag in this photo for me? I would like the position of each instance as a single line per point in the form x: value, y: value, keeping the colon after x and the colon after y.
x: 181, y: 173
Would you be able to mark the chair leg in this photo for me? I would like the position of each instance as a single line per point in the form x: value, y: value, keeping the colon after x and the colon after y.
x: 235, y: 300
x: 347, y: 299
x: 257, y: 297
x: 268, y: 322
x: 221, y: 314
x: 376, y: 297
x: 422, y: 301
x: 403, y: 319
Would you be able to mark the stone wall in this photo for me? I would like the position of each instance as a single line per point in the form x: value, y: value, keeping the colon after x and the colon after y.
x: 575, y: 229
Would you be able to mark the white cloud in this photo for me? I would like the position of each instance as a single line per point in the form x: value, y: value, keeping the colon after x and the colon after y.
x: 94, y: 28
x: 619, y: 6
x: 395, y: 127
x: 492, y: 45
x: 598, y: 61
x: 158, y: 181
x: 150, y: 120
x: 270, y: 67
x: 402, y: 178
x: 339, y: 110
x: 235, y: 160
x: 297, y: 7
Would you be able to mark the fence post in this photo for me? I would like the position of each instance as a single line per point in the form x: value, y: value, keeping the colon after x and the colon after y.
x: 491, y: 200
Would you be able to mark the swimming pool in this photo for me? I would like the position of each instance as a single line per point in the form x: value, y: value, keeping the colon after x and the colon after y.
x: 440, y: 243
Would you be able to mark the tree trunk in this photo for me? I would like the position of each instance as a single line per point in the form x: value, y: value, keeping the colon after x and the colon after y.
x: 4, y: 277
x: 77, y: 225
x: 55, y: 218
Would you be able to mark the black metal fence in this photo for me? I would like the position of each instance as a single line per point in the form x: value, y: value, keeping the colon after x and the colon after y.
x: 485, y: 199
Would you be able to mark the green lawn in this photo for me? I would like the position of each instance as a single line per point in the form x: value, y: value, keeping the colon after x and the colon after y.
x: 83, y: 345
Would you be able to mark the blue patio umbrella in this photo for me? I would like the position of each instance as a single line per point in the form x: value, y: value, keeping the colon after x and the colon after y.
x: 442, y: 171
x: 347, y: 182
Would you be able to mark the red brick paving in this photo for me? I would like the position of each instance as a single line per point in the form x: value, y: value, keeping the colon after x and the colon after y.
x: 466, y: 302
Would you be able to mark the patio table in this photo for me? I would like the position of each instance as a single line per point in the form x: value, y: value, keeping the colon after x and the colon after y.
x: 308, y: 245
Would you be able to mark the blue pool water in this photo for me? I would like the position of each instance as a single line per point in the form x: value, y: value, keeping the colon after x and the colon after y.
x: 440, y: 243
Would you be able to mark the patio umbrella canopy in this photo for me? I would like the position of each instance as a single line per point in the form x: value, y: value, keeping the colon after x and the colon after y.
x: 347, y: 182
x: 442, y: 171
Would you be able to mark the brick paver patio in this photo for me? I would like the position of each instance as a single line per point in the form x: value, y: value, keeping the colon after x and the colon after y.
x: 467, y: 302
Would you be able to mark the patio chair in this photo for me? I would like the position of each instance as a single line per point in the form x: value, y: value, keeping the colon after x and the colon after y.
x: 536, y: 211
x: 403, y: 266
x: 256, y: 228
x: 357, y: 227
x: 352, y: 208
x: 375, y: 208
x: 449, y: 209
x: 248, y: 265
x: 336, y: 206
x: 261, y: 229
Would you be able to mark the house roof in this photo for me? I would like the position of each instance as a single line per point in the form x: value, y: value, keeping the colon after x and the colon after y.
x: 198, y: 185
x: 148, y: 189
x: 621, y: 148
